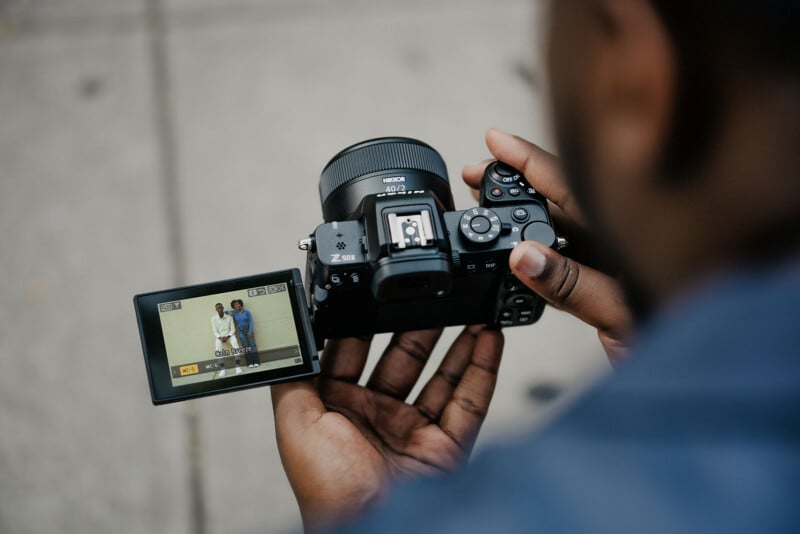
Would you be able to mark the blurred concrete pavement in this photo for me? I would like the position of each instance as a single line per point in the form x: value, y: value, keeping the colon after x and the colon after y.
x: 136, y: 134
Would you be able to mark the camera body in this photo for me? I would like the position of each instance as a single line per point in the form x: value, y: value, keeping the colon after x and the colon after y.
x: 393, y: 254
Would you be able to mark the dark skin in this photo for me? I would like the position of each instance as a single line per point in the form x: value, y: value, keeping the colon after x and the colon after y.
x: 238, y: 307
x: 221, y: 312
x: 578, y: 283
x: 613, y: 75
x: 341, y: 443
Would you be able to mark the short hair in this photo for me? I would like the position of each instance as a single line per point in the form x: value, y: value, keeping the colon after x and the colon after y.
x: 760, y: 37
x: 218, y: 304
x: 234, y: 301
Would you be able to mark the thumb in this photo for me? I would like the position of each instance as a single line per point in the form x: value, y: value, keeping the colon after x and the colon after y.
x: 586, y: 293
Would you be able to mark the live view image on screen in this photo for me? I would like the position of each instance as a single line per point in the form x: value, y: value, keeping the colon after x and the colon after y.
x: 229, y: 334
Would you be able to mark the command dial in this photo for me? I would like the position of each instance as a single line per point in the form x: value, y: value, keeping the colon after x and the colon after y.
x: 503, y: 173
x: 480, y: 226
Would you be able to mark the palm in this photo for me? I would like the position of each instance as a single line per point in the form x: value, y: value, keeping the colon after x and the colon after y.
x: 406, y: 441
x: 342, y: 443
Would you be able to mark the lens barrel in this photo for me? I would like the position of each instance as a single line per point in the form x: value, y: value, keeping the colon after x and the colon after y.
x: 382, y: 165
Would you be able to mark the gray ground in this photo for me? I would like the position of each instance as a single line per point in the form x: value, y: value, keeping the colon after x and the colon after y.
x: 145, y: 144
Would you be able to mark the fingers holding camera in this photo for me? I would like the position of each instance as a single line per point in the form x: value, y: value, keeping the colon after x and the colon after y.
x: 582, y: 291
x: 299, y: 404
x: 540, y: 168
x: 402, y: 362
x: 437, y: 391
x: 344, y: 359
x: 472, y: 174
x: 465, y: 410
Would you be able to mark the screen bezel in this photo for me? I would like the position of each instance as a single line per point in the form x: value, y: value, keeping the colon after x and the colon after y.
x: 155, y: 353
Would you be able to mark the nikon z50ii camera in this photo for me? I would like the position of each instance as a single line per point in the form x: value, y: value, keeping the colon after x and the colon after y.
x: 392, y: 255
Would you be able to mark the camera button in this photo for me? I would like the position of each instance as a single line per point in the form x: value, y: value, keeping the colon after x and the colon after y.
x: 520, y: 215
x: 336, y: 280
x: 320, y: 294
x: 490, y: 265
x: 520, y: 300
x: 480, y: 224
x: 515, y: 192
x: 512, y: 284
x: 541, y: 232
x: 504, y: 169
x: 496, y: 192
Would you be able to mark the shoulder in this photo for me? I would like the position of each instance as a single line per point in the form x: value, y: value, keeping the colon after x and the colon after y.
x: 702, y: 420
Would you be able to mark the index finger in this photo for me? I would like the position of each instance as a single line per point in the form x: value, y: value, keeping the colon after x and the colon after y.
x: 540, y: 168
x: 344, y: 359
x: 473, y: 172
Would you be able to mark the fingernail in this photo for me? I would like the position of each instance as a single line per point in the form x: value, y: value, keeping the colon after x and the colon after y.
x: 529, y: 260
x: 475, y: 329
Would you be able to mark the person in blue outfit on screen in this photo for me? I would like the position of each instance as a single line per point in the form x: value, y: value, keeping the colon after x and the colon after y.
x: 247, y: 336
x: 678, y: 187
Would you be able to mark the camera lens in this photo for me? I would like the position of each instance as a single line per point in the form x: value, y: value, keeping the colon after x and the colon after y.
x: 384, y: 165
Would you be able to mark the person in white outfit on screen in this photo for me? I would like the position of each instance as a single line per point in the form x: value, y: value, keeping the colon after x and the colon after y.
x: 224, y: 331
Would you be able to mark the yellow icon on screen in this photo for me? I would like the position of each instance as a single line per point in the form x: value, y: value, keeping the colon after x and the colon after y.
x: 186, y: 370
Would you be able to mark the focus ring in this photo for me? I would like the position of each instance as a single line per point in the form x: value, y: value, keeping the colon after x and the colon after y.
x: 390, y: 153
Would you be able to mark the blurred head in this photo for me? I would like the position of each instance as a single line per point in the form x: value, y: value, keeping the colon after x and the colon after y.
x: 237, y: 304
x: 220, y: 308
x: 678, y: 123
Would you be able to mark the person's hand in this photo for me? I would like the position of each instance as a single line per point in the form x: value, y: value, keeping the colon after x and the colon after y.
x: 341, y: 443
x: 577, y: 282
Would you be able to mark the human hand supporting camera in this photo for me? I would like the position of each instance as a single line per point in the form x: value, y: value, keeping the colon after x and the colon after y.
x: 580, y: 288
x: 341, y: 444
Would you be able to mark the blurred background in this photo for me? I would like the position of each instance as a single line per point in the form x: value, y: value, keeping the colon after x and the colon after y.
x: 151, y: 143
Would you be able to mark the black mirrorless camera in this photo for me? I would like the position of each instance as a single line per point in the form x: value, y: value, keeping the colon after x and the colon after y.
x: 392, y: 255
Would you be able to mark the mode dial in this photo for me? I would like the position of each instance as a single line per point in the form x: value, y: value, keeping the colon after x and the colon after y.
x: 480, y: 226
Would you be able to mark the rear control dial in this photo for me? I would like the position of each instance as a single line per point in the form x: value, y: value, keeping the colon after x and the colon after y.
x: 541, y: 232
x: 480, y: 226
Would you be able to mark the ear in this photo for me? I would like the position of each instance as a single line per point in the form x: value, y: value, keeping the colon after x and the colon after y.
x: 633, y: 88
